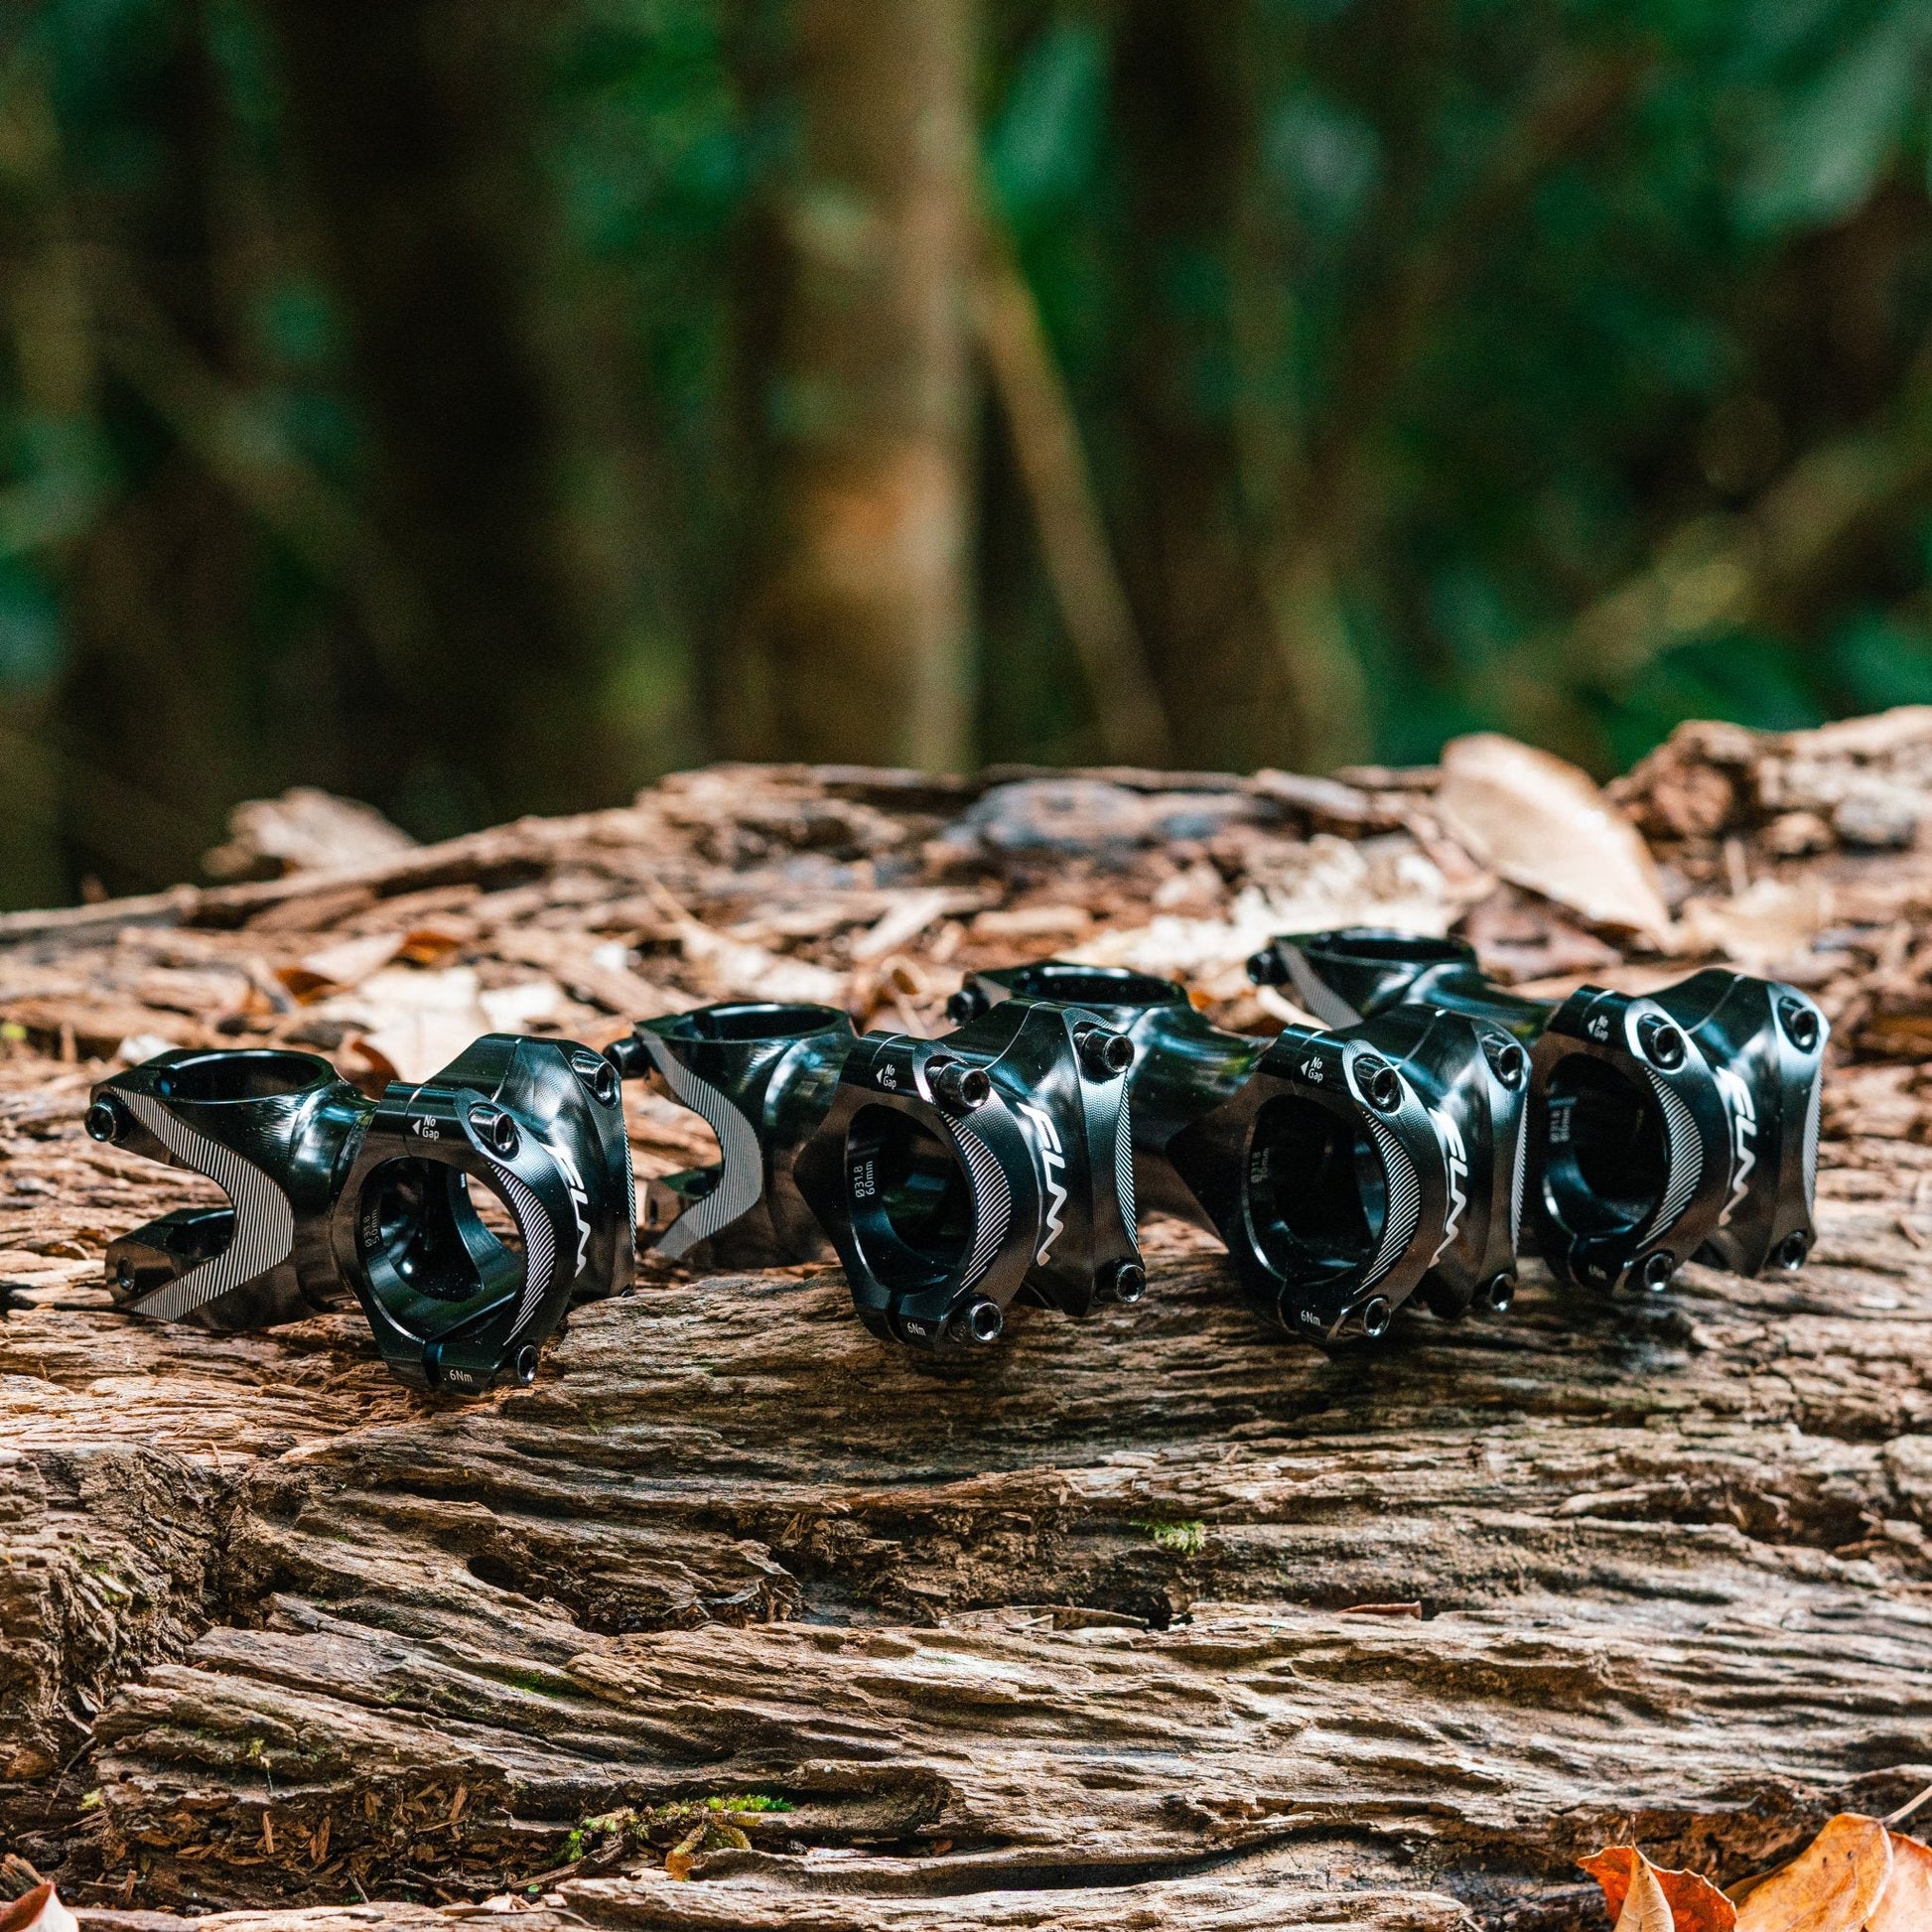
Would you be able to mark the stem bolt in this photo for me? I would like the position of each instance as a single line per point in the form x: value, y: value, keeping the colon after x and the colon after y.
x: 958, y: 1087
x: 1662, y: 1041
x: 1377, y: 1083
x: 1800, y: 1023
x: 1656, y: 1269
x: 980, y: 1321
x: 1104, y: 1054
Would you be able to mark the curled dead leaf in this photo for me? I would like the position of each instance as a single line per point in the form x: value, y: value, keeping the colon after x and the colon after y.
x: 1645, y: 1908
x: 305, y: 830
x: 417, y: 1023
x: 516, y: 1009
x: 1906, y: 1905
x: 1770, y: 922
x: 1853, y: 1877
x: 1542, y: 824
x: 1690, y: 1903
x: 1834, y: 1885
x: 436, y: 941
x: 137, y: 1047
x: 39, y: 1910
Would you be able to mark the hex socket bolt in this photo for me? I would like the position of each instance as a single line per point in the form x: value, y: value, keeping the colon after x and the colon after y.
x: 957, y: 1086
x: 1683, y: 1123
x: 1104, y: 1055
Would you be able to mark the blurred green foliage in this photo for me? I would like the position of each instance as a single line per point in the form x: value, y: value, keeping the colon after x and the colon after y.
x: 1501, y: 301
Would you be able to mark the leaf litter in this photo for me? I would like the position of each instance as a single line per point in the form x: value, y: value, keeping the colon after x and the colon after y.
x: 1857, y: 1875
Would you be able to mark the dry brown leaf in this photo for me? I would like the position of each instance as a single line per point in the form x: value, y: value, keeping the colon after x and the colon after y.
x: 338, y: 968
x: 137, y: 1047
x: 516, y: 1009
x: 1692, y: 1903
x: 1645, y: 1908
x: 305, y: 830
x: 1769, y: 924
x: 412, y: 1024
x: 39, y: 1910
x: 1542, y: 824
x: 1833, y: 1885
x: 434, y: 942
x: 1906, y: 1905
x: 417, y: 1021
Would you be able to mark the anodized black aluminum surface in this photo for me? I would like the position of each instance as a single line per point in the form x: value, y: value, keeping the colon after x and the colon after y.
x: 333, y: 1196
x: 1678, y: 1123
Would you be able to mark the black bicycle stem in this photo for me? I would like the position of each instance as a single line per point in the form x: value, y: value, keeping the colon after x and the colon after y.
x: 1677, y: 1124
x: 465, y: 1214
x: 1183, y: 1065
x: 762, y: 1077
x: 1344, y: 1173
x: 960, y: 1174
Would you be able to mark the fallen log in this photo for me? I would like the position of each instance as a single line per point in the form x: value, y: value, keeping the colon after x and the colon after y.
x: 740, y: 1618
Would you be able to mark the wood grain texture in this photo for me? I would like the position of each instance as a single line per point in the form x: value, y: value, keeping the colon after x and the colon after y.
x: 1150, y: 1619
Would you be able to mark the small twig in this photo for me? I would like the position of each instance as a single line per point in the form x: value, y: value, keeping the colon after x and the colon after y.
x: 1906, y: 1811
x: 59, y: 1782
x: 556, y: 1872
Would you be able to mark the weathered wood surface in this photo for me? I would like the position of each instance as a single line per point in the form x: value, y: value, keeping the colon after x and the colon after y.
x: 1104, y: 1631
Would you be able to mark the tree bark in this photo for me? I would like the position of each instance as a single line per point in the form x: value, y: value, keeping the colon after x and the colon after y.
x: 861, y: 620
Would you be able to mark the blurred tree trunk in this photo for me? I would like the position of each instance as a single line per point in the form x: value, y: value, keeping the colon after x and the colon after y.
x: 1186, y: 549
x: 859, y: 624
x: 495, y: 418
x: 150, y: 740
x: 47, y: 336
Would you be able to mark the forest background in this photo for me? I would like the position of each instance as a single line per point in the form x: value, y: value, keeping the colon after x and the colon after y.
x: 482, y: 406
